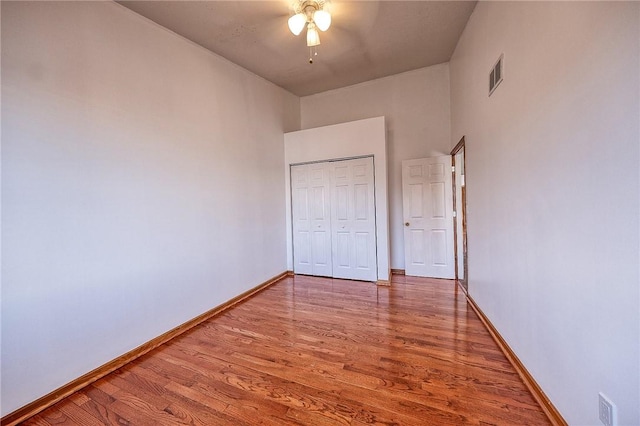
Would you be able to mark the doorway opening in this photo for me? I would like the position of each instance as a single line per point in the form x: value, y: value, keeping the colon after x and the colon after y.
x: 460, y: 214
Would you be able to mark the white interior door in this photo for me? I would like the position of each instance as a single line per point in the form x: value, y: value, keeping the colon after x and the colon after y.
x: 353, y: 225
x: 310, y: 186
x: 428, y: 217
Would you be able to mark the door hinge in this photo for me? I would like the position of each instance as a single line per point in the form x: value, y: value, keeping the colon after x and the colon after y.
x: 453, y: 169
x: 455, y: 214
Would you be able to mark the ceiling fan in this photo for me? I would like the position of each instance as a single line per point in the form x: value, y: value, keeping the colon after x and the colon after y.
x: 315, y: 15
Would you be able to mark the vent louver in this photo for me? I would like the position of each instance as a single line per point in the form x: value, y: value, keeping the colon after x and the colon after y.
x: 496, y: 75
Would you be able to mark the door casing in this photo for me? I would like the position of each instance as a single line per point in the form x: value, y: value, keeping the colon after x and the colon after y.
x: 459, y: 184
x: 333, y: 206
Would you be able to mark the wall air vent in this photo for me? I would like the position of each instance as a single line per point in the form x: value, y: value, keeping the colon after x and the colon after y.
x: 496, y: 75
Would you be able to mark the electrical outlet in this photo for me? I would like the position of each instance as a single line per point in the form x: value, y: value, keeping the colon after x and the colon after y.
x: 606, y: 410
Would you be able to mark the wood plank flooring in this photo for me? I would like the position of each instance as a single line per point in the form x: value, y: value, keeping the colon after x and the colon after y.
x: 317, y: 351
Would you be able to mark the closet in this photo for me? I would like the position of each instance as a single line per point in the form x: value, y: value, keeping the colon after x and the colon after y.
x: 333, y: 219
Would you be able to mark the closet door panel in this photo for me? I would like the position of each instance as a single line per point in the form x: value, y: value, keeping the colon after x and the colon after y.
x: 353, y: 220
x: 311, y: 220
x: 302, y: 263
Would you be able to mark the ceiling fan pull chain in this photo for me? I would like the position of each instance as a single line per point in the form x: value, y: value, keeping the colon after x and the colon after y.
x: 312, y: 52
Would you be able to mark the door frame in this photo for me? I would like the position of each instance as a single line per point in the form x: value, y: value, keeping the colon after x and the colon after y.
x: 375, y: 218
x: 463, y: 207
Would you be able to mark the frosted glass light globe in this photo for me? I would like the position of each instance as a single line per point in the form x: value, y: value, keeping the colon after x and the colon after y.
x: 296, y: 23
x: 313, y: 38
x: 322, y: 19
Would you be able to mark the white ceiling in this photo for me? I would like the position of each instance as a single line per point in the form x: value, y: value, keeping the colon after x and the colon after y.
x: 366, y: 40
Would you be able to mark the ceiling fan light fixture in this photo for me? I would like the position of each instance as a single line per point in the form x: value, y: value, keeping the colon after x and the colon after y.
x: 297, y: 22
x: 315, y: 15
x: 313, y: 37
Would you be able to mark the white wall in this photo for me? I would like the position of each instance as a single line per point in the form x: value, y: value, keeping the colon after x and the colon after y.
x: 415, y: 105
x: 345, y: 140
x: 141, y: 186
x: 553, y: 192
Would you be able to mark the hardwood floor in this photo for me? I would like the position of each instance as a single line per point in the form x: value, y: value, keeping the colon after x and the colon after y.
x: 316, y: 351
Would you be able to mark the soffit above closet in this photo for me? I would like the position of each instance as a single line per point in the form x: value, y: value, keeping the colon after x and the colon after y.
x: 367, y: 39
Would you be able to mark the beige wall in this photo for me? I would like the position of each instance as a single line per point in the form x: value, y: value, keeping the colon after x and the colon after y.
x: 136, y: 194
x: 415, y: 105
x: 553, y: 192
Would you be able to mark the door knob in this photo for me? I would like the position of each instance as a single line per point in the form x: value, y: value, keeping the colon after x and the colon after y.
x: 406, y: 224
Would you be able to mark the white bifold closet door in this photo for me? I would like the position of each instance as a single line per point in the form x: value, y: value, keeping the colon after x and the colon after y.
x: 334, y: 229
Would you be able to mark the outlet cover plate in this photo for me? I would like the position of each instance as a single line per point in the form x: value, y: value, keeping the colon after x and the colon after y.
x: 606, y: 410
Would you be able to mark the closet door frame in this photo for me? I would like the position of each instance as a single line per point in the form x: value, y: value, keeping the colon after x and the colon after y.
x: 370, y: 275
